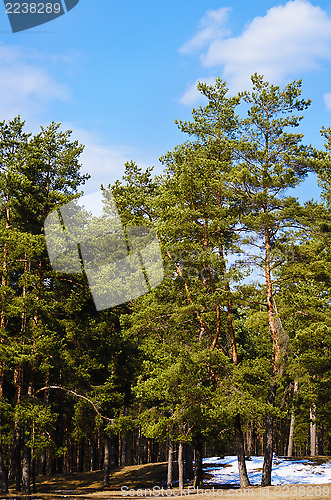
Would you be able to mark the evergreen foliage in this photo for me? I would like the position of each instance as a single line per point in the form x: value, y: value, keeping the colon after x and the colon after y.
x: 210, y: 361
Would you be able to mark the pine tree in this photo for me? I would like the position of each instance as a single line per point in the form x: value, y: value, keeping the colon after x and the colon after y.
x: 269, y: 160
x: 195, y: 216
x: 36, y: 173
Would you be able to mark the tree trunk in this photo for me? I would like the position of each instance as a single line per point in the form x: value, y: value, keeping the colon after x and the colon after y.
x: 145, y: 452
x: 1, y: 375
x: 33, y: 474
x: 3, y: 475
x: 26, y: 470
x: 198, y: 470
x: 149, y: 451
x: 276, y: 364
x: 90, y: 455
x: 114, y: 452
x: 291, y: 436
x: 188, y: 462
x: 292, y: 423
x: 81, y: 456
x: 106, y: 462
x: 313, y: 436
x: 15, y: 463
x: 243, y: 477
x: 138, y: 440
x: 123, y: 451
x: 43, y: 458
x: 250, y: 447
x: 268, y: 441
x: 180, y: 466
x: 170, y: 465
x: 321, y: 440
x: 60, y: 437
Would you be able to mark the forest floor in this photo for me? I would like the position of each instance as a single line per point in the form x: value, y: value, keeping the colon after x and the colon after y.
x: 147, y: 481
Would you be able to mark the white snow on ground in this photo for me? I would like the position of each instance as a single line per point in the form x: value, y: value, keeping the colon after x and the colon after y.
x: 284, y: 471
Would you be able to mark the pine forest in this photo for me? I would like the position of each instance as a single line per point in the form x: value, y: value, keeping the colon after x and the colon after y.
x: 229, y: 355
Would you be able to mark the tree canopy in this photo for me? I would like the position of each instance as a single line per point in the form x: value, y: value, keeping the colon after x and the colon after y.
x: 229, y: 354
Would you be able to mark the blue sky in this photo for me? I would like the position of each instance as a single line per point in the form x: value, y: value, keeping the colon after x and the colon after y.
x: 119, y: 73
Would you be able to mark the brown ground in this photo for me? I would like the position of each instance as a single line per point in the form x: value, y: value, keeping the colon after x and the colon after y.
x: 134, y: 476
x: 143, y: 478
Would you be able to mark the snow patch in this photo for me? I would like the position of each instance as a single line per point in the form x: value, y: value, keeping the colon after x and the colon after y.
x: 224, y: 471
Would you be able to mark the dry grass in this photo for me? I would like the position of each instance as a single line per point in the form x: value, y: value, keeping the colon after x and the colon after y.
x: 89, y: 485
x: 83, y: 484
x: 134, y: 476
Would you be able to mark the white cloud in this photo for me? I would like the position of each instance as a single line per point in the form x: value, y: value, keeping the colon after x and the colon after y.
x: 27, y: 88
x: 192, y: 95
x: 327, y: 101
x: 289, y: 40
x: 212, y: 26
x: 104, y: 162
x: 25, y: 84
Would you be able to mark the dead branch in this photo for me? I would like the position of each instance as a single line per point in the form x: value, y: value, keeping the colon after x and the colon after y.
x: 111, y: 420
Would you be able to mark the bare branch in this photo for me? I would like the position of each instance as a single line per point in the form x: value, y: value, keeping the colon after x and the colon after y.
x: 111, y: 420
